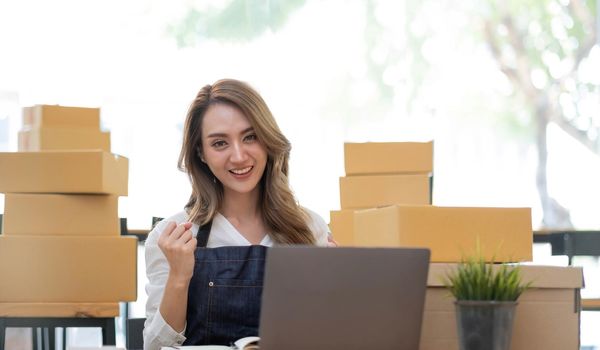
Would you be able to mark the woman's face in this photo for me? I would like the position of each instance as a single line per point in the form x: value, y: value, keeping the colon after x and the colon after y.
x: 231, y: 149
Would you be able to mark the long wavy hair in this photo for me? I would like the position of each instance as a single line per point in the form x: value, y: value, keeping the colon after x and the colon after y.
x: 286, y: 221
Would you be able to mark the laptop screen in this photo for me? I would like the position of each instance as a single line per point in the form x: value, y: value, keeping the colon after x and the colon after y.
x: 343, y: 298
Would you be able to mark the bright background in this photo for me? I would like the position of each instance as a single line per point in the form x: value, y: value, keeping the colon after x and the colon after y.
x: 331, y: 71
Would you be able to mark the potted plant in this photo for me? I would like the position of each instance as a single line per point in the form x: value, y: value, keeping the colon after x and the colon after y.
x: 486, y: 298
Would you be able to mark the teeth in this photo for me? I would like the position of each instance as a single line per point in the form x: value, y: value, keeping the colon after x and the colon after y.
x: 241, y: 171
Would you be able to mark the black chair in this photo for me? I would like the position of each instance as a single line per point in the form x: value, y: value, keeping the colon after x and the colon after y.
x: 49, y: 324
x: 134, y: 336
x: 156, y: 220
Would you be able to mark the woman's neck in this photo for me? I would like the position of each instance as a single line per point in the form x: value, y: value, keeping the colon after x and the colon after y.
x: 242, y: 207
x: 244, y: 213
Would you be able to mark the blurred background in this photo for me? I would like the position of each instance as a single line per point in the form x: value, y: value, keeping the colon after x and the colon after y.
x: 509, y: 91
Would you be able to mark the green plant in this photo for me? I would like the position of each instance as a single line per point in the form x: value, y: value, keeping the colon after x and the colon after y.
x: 474, y: 279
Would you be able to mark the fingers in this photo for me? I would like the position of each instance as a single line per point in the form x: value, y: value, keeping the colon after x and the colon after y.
x: 168, y: 229
x: 331, y: 242
x: 180, y: 230
x: 174, y: 234
x: 191, y: 244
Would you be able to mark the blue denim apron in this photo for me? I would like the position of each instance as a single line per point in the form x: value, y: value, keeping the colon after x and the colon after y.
x: 224, y: 293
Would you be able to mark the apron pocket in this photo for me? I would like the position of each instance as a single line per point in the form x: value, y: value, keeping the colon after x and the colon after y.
x: 229, y: 302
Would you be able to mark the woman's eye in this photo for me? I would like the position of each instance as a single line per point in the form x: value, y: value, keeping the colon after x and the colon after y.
x: 251, y: 137
x: 219, y: 144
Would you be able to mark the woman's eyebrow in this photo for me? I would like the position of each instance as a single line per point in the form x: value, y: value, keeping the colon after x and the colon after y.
x: 217, y: 134
x: 221, y: 134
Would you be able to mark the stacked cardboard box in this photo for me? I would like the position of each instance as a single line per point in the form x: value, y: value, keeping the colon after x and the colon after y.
x: 57, y: 128
x: 549, y: 312
x: 500, y: 234
x: 547, y: 316
x: 61, y: 252
x: 381, y: 174
x: 386, y: 202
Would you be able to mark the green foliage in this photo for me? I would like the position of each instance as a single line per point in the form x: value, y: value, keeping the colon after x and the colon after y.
x: 477, y: 280
x: 238, y: 20
x: 545, y: 39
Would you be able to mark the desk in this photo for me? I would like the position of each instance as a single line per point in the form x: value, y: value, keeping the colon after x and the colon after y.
x: 48, y: 324
x: 590, y: 304
x: 573, y: 243
x: 570, y: 242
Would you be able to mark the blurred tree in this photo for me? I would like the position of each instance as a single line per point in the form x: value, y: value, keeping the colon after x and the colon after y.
x: 543, y: 47
x: 238, y: 20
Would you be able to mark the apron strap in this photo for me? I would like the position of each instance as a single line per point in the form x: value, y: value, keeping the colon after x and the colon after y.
x: 203, y: 233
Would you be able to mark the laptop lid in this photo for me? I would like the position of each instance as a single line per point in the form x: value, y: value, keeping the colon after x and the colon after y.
x: 343, y: 298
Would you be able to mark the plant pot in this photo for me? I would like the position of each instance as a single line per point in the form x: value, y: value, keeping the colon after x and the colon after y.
x: 484, y: 325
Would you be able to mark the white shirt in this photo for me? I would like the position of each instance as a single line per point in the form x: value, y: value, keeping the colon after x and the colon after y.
x: 157, y: 332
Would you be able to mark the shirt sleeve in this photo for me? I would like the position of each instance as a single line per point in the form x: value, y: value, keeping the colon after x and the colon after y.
x: 157, y: 333
x: 319, y: 228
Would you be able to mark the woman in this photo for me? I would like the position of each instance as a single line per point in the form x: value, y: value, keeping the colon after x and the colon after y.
x: 205, y: 265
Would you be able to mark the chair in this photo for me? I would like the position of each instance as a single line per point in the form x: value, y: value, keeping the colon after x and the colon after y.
x: 156, y: 220
x: 134, y: 335
x: 48, y: 325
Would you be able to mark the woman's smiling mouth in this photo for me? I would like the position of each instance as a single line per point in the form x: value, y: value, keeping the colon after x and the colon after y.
x: 242, y: 171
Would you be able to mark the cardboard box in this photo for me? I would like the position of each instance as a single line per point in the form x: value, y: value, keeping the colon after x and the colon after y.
x: 61, y: 214
x: 61, y: 116
x: 48, y: 139
x: 68, y: 269
x: 359, y: 192
x: 451, y: 233
x: 374, y: 158
x: 59, y: 309
x: 547, y: 316
x: 341, y: 224
x: 63, y: 172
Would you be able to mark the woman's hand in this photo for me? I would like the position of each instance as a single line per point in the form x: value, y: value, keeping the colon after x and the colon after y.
x: 331, y: 242
x: 178, y: 245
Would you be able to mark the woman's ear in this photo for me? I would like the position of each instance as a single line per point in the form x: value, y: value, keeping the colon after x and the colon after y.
x: 199, y: 152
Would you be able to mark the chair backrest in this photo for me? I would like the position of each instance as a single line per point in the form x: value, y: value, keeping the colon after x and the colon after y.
x: 135, y: 334
x: 156, y: 220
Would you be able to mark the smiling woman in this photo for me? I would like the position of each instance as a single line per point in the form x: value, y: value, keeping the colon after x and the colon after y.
x: 237, y: 161
x: 232, y: 151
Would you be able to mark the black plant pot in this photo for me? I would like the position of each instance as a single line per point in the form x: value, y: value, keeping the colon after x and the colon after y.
x: 484, y: 325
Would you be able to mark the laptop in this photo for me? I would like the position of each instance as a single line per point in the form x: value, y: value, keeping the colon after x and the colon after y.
x: 343, y: 298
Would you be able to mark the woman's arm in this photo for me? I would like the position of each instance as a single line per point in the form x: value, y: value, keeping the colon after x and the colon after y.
x: 163, y: 294
x: 178, y: 245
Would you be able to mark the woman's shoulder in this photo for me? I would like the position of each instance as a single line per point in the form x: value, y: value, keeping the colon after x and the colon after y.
x: 314, y: 218
x: 318, y: 226
x: 178, y: 218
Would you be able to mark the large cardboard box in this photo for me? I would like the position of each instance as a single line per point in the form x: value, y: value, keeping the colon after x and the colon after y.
x: 63, y: 172
x: 61, y: 116
x: 341, y: 224
x: 359, y: 192
x: 60, y: 214
x: 451, y: 233
x: 67, y: 269
x: 547, y: 315
x: 373, y: 158
x: 48, y: 139
x: 59, y: 309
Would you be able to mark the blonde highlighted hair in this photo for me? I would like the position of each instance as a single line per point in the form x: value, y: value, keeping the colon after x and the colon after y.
x: 286, y: 221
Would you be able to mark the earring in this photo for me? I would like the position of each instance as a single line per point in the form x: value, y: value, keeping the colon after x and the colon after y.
x: 199, y: 153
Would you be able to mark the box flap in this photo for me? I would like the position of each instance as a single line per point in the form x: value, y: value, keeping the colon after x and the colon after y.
x: 539, y: 276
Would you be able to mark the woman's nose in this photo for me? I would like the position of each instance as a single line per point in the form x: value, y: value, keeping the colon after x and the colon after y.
x: 238, y: 152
